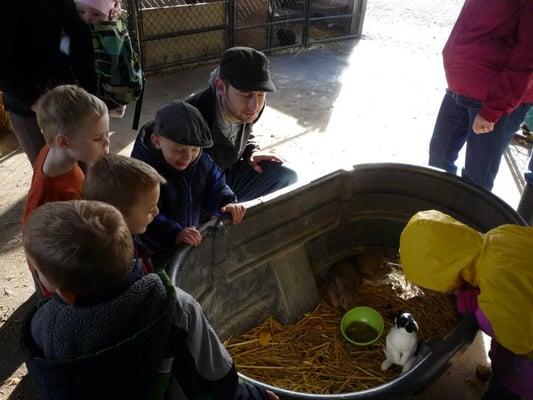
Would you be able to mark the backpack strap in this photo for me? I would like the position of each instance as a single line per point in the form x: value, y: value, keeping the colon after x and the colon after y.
x: 138, y: 108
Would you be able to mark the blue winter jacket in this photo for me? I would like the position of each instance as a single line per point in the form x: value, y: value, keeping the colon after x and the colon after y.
x: 188, y: 199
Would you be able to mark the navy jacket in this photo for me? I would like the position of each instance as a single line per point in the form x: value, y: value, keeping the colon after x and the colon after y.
x: 188, y: 198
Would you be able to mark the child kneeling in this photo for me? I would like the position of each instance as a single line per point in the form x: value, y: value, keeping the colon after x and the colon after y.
x: 111, y: 332
x: 492, y: 275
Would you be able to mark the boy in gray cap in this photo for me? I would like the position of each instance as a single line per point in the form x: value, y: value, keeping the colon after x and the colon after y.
x: 173, y: 144
x: 232, y: 103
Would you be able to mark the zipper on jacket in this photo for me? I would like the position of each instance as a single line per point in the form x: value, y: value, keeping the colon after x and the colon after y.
x: 189, y: 195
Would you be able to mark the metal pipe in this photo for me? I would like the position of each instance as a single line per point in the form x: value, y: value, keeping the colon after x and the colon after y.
x: 184, y: 33
x: 193, y: 62
x: 331, y: 17
x: 240, y: 28
x: 135, y: 6
x: 336, y: 38
x: 305, y: 34
x: 231, y: 22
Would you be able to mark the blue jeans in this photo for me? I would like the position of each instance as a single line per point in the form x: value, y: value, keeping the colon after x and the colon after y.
x: 249, y: 184
x: 483, y: 152
x: 529, y: 173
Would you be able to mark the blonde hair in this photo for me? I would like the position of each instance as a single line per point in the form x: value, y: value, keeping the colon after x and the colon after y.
x: 84, y: 247
x: 64, y: 108
x: 120, y: 180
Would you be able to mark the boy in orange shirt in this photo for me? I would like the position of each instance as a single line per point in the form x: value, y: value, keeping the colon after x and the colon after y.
x: 75, y: 125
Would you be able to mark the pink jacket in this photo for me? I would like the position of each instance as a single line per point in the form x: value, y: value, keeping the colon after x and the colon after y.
x: 489, y: 55
x: 511, y: 371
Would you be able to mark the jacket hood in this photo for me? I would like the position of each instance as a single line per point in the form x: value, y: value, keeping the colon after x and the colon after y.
x: 440, y: 253
x: 506, y: 286
x: 65, y: 332
x: 63, y: 344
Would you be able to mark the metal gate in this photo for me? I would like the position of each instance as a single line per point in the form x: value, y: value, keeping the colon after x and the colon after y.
x: 174, y: 33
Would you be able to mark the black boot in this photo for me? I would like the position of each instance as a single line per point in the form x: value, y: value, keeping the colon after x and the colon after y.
x: 525, y: 207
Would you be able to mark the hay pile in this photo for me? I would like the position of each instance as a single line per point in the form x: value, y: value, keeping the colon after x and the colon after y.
x: 311, y: 356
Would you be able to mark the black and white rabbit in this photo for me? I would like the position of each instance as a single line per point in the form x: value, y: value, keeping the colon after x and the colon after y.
x: 401, y: 343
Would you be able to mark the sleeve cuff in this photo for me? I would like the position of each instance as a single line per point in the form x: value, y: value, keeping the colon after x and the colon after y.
x: 489, y: 115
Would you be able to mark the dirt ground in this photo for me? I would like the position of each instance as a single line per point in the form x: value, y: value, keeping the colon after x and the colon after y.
x: 369, y: 100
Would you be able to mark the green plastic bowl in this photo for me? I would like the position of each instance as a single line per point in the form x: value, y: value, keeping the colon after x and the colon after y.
x: 365, y: 315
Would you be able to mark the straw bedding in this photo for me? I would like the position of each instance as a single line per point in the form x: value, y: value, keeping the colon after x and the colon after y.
x: 311, y: 355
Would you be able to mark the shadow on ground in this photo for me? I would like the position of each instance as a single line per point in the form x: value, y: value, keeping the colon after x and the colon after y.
x: 10, y: 225
x: 461, y: 371
x: 10, y: 349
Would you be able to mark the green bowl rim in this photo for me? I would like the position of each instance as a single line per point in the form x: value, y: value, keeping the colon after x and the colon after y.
x: 380, y: 332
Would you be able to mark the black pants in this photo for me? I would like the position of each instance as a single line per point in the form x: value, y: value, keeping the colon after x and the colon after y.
x: 28, y: 134
x: 249, y: 184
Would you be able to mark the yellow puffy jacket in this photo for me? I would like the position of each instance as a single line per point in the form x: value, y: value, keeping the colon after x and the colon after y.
x: 440, y: 253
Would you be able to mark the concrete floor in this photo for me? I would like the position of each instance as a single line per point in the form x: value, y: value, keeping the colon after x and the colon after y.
x: 372, y: 100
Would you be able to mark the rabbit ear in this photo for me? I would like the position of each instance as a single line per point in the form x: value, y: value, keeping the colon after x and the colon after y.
x: 397, y: 320
x: 398, y: 317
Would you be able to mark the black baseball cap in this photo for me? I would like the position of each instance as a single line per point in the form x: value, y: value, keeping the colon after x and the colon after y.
x: 246, y: 69
x: 182, y: 123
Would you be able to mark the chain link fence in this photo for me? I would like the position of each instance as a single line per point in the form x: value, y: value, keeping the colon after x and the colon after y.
x: 173, y: 33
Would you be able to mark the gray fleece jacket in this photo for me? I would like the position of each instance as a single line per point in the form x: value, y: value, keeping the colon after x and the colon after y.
x: 67, y: 342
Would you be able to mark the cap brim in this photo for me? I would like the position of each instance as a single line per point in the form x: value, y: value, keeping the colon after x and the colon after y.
x: 267, y: 86
x: 177, y: 137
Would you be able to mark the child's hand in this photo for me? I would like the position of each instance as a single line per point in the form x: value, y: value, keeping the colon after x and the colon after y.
x: 271, y: 396
x: 189, y: 235
x: 481, y: 125
x: 236, y: 210
x: 467, y: 301
x: 257, y: 156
